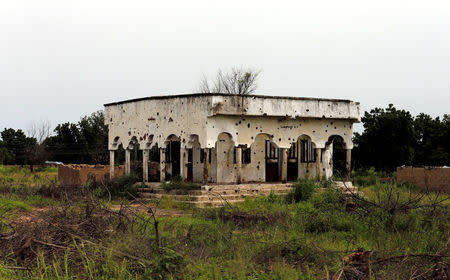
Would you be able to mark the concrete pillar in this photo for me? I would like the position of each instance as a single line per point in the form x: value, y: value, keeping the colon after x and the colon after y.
x: 183, y: 162
x: 318, y: 165
x: 349, y: 163
x: 111, y: 164
x: 284, y: 164
x: 205, y: 164
x: 162, y: 164
x: 239, y: 164
x: 145, y: 157
x: 127, y: 161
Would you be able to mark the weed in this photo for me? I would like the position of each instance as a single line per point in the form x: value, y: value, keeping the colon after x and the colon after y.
x: 303, y: 190
x: 177, y: 183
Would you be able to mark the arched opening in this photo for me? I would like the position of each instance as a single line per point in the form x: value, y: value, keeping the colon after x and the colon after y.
x: 153, y: 166
x: 226, y: 169
x: 292, y: 162
x: 119, y: 157
x: 173, y: 146
x: 195, y: 159
x: 135, y: 158
x: 273, y: 162
x: 307, y: 157
x: 338, y: 156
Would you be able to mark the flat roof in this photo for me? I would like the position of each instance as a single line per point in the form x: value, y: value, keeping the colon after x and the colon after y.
x: 224, y: 94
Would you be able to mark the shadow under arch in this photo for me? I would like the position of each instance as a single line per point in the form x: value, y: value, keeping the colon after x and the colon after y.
x: 136, y: 157
x: 337, y: 146
x: 172, y: 156
x: 116, y: 142
x: 272, y: 157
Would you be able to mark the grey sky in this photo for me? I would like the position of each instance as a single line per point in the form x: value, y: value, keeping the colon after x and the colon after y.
x: 63, y: 59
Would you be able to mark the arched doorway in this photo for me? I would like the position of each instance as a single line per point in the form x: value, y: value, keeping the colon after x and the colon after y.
x: 292, y: 162
x: 135, y: 158
x: 273, y: 162
x: 339, y: 156
x: 172, y: 160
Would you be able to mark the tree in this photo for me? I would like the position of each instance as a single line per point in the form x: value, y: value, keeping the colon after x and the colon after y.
x: 388, y: 140
x: 15, y: 147
x: 83, y: 142
x: 392, y: 138
x: 5, y: 156
x: 36, y: 152
x: 430, y: 147
x: 237, y: 81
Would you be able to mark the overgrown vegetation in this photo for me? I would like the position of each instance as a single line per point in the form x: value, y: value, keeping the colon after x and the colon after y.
x: 398, y: 232
x: 303, y: 189
x: 177, y: 183
x: 124, y: 186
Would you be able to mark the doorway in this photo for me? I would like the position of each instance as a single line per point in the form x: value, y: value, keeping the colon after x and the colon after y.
x: 272, y: 159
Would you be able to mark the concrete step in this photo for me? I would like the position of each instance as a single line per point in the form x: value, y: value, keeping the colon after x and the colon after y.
x: 218, y: 191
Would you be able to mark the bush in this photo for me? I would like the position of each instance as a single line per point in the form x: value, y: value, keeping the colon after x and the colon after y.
x: 177, y: 183
x: 117, y: 187
x: 303, y: 190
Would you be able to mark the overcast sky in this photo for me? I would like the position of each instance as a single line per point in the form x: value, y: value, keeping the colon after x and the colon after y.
x: 63, y: 59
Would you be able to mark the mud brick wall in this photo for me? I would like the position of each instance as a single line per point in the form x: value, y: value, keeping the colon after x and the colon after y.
x: 433, y: 178
x: 80, y: 174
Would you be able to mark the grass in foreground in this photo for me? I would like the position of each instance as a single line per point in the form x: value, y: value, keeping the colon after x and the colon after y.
x: 263, y: 238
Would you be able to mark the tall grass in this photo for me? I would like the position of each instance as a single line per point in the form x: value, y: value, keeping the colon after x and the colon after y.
x: 261, y: 238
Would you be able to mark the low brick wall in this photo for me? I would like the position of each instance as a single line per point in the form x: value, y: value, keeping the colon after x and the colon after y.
x: 80, y: 174
x: 433, y: 178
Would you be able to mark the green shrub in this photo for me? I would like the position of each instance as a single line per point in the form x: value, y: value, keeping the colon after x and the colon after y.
x: 303, y: 190
x: 177, y: 183
x: 117, y: 187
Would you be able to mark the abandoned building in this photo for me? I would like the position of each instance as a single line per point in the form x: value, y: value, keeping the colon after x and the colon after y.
x: 229, y: 139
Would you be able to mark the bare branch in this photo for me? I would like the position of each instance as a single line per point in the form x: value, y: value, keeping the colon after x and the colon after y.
x: 238, y: 81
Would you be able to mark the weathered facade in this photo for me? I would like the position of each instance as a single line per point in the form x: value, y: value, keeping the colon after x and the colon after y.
x: 223, y: 138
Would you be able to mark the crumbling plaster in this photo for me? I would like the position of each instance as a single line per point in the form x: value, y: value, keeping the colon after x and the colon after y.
x: 202, y: 117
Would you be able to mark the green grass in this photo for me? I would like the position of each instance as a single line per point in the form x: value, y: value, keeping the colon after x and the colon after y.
x: 16, y: 178
x: 18, y: 187
x: 261, y: 238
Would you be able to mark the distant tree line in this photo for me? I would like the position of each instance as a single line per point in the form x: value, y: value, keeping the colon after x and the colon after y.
x: 391, y: 138
x: 82, y: 142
